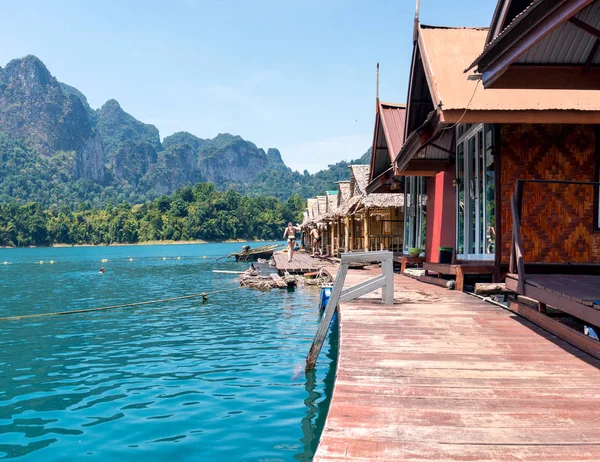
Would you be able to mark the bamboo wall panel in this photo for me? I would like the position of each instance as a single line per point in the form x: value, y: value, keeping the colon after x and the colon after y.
x: 559, y: 221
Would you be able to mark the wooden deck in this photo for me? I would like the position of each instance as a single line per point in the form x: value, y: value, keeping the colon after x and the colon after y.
x: 461, y: 269
x: 405, y: 261
x: 445, y: 376
x: 580, y: 288
x: 301, y: 263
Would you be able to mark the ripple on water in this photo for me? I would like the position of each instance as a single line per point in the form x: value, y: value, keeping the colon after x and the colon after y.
x: 221, y: 380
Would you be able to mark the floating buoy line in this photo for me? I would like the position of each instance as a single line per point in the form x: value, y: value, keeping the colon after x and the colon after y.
x: 130, y: 259
x: 204, y: 296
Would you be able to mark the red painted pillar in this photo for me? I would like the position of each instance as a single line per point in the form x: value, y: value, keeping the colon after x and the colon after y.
x: 441, y: 213
x: 430, y: 217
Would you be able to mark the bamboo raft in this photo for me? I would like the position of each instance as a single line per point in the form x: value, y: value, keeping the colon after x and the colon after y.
x: 249, y: 254
x: 253, y: 279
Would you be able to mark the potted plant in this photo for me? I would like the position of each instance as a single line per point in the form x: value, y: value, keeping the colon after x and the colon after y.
x: 446, y: 254
x: 415, y: 251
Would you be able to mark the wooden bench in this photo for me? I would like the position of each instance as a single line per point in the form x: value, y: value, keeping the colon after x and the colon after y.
x: 405, y: 261
x: 461, y: 269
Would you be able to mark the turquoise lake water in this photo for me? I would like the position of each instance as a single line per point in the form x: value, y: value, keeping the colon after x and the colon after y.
x: 220, y: 380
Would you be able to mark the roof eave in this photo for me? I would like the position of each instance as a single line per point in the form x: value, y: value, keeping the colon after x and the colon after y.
x: 419, y: 139
x: 524, y: 32
x: 377, y: 183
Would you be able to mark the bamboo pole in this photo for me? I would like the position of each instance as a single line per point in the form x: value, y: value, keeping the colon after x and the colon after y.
x: 366, y: 230
x: 347, y: 234
x: 332, y: 243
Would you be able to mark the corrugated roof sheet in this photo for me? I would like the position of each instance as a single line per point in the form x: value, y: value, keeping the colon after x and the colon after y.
x: 448, y: 51
x: 516, y: 20
x: 393, y: 117
x: 567, y: 44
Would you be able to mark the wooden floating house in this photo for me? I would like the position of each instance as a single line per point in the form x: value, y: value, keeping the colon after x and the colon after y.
x: 501, y: 153
x: 499, y: 162
x: 466, y: 146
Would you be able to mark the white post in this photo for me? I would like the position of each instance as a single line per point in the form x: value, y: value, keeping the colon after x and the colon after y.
x: 384, y: 281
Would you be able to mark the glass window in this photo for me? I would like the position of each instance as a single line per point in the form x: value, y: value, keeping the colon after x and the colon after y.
x: 475, y: 206
x: 415, y: 221
x: 490, y: 204
x: 471, y: 176
x: 460, y: 198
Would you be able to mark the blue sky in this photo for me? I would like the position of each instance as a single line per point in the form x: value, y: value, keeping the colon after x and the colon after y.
x: 298, y: 76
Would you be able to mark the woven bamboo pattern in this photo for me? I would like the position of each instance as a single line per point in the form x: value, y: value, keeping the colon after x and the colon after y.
x: 559, y: 221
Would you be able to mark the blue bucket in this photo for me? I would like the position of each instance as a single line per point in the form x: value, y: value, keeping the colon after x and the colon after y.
x: 590, y: 332
x: 325, y: 295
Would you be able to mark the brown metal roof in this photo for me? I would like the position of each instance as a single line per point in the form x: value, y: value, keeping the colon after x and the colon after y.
x: 447, y: 52
x: 544, y: 34
x: 393, y: 117
x: 491, y: 38
x: 388, y: 136
x: 567, y: 44
x: 427, y: 149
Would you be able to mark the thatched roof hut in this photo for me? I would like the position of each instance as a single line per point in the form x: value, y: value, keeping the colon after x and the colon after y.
x: 359, y: 179
x: 310, y: 210
x: 322, y: 205
x: 350, y: 198
x: 344, y: 192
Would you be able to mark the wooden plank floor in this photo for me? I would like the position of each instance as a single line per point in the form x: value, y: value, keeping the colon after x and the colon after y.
x: 301, y: 263
x: 445, y: 376
x: 582, y: 288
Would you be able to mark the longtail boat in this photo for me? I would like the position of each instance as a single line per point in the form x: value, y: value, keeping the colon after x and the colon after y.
x: 249, y: 254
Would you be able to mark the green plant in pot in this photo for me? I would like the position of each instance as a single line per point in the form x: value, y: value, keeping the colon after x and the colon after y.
x: 446, y: 254
x: 415, y: 251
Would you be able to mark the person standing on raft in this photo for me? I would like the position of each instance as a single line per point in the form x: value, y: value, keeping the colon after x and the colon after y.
x: 290, y: 233
x: 316, y: 240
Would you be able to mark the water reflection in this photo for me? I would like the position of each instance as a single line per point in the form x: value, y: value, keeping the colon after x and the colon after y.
x: 316, y: 401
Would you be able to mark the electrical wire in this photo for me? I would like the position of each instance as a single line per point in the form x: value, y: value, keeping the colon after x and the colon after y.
x: 466, y: 109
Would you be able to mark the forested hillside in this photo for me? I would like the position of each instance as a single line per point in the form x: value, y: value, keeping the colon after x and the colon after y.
x: 58, y: 151
x: 200, y: 212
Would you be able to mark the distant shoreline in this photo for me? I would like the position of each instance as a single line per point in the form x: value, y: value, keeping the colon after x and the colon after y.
x: 166, y: 242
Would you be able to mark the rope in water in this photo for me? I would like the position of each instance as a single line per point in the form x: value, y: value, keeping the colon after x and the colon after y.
x: 204, y: 295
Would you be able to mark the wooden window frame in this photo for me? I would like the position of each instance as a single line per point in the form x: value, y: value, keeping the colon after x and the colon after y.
x: 596, y: 226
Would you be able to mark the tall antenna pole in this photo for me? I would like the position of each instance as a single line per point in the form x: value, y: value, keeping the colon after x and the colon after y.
x: 377, y: 84
x: 416, y: 23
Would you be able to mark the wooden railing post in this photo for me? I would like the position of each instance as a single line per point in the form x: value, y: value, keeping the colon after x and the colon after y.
x: 516, y: 259
x: 385, y: 281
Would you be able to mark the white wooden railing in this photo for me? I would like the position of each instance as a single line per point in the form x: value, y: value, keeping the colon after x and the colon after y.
x: 339, y: 294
